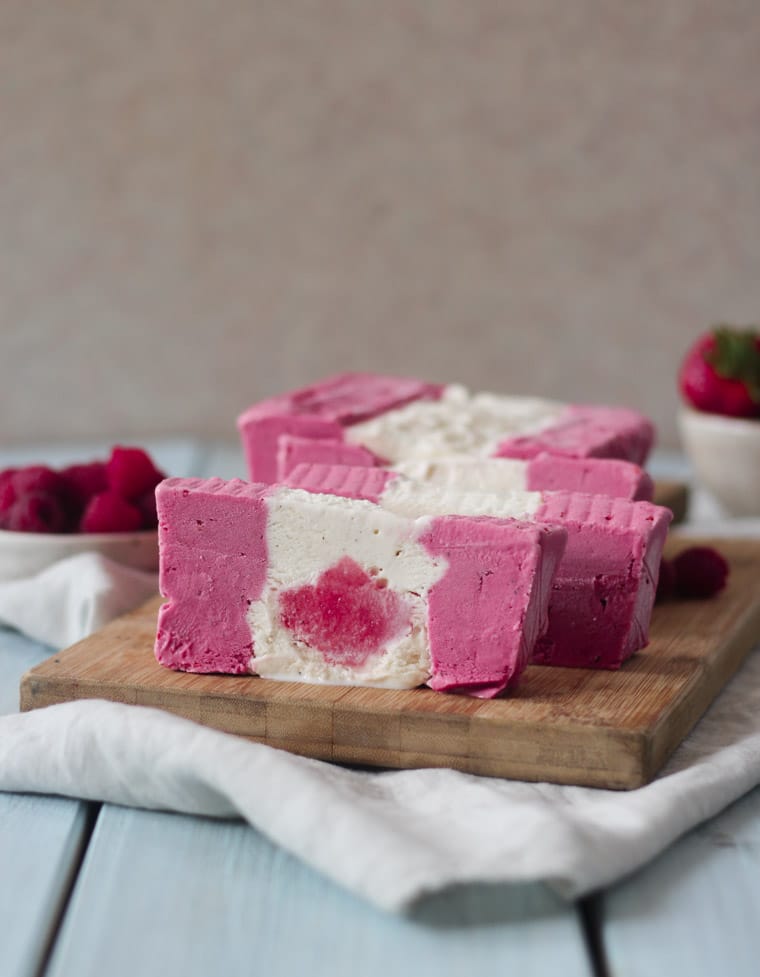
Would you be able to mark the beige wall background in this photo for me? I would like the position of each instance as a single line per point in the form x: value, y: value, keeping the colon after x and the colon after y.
x: 202, y: 203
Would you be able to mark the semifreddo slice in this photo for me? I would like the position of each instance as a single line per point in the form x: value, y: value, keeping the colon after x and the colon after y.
x: 604, y: 590
x: 313, y: 587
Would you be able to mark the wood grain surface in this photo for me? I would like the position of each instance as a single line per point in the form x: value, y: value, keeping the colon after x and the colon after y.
x: 694, y: 910
x: 41, y: 842
x: 231, y: 903
x: 573, y: 726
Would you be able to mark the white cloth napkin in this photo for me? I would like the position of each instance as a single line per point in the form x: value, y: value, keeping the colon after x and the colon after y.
x: 72, y: 598
x: 390, y: 837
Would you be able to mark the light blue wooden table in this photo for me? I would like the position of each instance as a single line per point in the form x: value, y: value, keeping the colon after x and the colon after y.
x: 93, y: 889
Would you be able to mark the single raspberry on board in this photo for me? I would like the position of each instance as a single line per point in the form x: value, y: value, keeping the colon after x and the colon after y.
x: 37, y: 512
x: 131, y: 472
x: 700, y: 571
x: 108, y: 512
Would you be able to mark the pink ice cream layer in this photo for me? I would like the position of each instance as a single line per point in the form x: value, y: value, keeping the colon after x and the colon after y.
x: 587, y: 431
x: 604, y: 589
x: 589, y: 476
x: 347, y: 614
x: 487, y: 613
x: 545, y: 472
x: 321, y: 411
x: 484, y: 615
x: 213, y: 563
x: 293, y: 450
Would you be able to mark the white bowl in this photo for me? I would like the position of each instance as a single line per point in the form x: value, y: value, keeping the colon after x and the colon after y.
x: 25, y: 554
x: 725, y: 453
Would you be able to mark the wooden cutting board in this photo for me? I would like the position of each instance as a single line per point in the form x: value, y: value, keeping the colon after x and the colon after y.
x: 570, y: 726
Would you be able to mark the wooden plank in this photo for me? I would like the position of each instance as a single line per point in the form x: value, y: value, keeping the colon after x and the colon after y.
x: 41, y: 843
x: 168, y: 894
x: 597, y: 728
x: 41, y: 840
x: 694, y: 910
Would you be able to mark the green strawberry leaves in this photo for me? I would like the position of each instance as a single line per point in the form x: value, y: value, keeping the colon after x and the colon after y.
x: 736, y: 356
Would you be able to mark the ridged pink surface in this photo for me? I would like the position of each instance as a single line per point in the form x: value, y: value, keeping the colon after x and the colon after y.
x: 587, y: 432
x: 343, y: 480
x: 261, y: 437
x: 293, y: 450
x: 213, y: 563
x: 605, y: 587
x: 593, y: 476
x: 321, y: 411
x: 486, y: 613
x: 348, y: 398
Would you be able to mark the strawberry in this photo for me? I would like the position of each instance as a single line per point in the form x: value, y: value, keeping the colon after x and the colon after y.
x: 721, y: 372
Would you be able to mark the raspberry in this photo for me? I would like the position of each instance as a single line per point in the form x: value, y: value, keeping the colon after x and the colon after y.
x: 147, y: 506
x: 666, y: 583
x: 37, y: 512
x: 38, y: 478
x: 108, y: 512
x: 700, y: 571
x: 7, y: 491
x: 84, y: 481
x: 93, y: 497
x: 131, y: 473
x: 18, y: 485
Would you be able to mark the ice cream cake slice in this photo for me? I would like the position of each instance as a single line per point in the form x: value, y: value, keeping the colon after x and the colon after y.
x: 550, y: 473
x: 603, y: 592
x: 366, y: 417
x: 301, y: 586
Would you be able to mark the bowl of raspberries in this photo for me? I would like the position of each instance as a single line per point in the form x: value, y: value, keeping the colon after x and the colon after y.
x: 105, y: 506
x: 719, y: 420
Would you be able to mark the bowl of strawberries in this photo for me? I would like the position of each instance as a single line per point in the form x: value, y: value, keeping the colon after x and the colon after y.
x: 106, y: 506
x: 719, y: 420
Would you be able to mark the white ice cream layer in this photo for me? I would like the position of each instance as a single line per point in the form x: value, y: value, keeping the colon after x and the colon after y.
x: 306, y: 535
x: 468, y: 474
x: 412, y: 499
x: 460, y: 423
